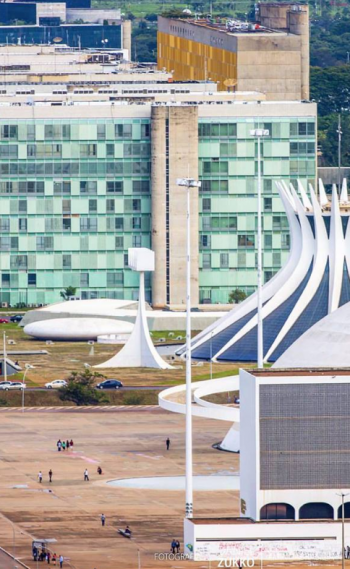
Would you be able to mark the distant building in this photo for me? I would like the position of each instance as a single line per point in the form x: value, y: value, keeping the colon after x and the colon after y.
x: 70, y: 22
x: 271, y: 57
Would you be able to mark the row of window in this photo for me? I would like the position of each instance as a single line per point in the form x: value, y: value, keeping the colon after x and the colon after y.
x: 61, y: 187
x: 220, y: 130
x: 205, y: 242
x: 90, y: 224
x: 113, y: 279
x: 229, y: 222
x: 64, y: 168
x: 63, y: 131
x: 241, y: 260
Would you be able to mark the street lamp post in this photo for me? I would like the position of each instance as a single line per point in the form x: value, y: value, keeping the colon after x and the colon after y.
x: 27, y: 367
x: 188, y: 183
x: 259, y: 133
x: 342, y: 529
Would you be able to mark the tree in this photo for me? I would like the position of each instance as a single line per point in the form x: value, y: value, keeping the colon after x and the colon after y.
x: 81, y: 390
x: 236, y: 296
x: 68, y: 292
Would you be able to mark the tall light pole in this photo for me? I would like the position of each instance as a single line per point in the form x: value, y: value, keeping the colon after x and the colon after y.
x: 27, y: 367
x: 342, y: 529
x: 188, y: 183
x: 339, y: 132
x: 259, y: 133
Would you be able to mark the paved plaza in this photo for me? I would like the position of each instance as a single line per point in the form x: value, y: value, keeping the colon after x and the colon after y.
x: 125, y: 445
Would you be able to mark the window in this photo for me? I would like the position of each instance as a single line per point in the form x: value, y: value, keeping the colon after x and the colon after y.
x: 268, y: 275
x: 88, y: 150
x: 241, y: 259
x: 110, y: 150
x: 136, y: 240
x: 61, y: 187
x: 8, y: 243
x: 206, y: 261
x: 115, y: 279
x: 205, y: 241
x: 217, y: 130
x: 92, y: 206
x: 267, y: 204
x: 279, y: 222
x: 215, y: 167
x: 267, y: 186
x: 88, y: 224
x: 267, y: 241
x: 223, y: 223
x: 22, y: 206
x: 101, y: 132
x: 31, y: 279
x: 276, y: 259
x: 5, y: 280
x: 246, y: 241
x: 215, y: 186
x: 57, y: 131
x: 206, y: 204
x: 224, y: 261
x: 44, y: 150
x: 119, y: 223
x: 136, y: 222
x: 9, y: 151
x: 285, y: 241
x: 66, y: 207
x: 123, y: 131
x: 126, y: 260
x: 141, y: 187
x: 88, y: 188
x: 119, y: 242
x: 30, y: 132
x: 19, y: 262
x: 84, y: 279
x: 110, y: 206
x: 145, y: 131
x: 114, y: 187
x: 9, y: 131
x: 22, y: 224
x: 66, y: 261
x: 44, y: 243
x: 66, y: 224
x: 132, y: 205
x: 228, y: 149
x: 4, y: 225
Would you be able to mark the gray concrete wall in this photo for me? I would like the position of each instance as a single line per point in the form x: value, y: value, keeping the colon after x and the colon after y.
x: 329, y: 174
x: 174, y: 137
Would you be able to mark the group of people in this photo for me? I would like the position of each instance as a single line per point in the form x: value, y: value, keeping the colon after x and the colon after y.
x: 63, y: 445
x: 47, y: 556
x: 175, y: 546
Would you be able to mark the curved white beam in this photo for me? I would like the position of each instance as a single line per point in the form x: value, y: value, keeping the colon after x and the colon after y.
x: 344, y: 199
x: 337, y: 253
x: 322, y: 194
x: 304, y: 197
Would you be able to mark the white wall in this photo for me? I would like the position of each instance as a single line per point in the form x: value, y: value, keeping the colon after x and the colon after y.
x: 249, y: 426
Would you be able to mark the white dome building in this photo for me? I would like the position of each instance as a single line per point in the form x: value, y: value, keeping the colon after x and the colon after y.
x: 79, y: 329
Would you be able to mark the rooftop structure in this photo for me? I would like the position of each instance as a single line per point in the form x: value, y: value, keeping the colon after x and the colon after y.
x: 271, y: 56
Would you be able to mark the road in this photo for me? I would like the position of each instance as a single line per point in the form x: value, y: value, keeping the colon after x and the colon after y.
x: 125, y: 388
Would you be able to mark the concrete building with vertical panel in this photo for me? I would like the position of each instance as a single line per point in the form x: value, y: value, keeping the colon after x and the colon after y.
x: 271, y: 56
x: 80, y: 183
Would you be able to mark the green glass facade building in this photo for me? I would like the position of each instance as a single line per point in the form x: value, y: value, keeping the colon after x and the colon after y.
x: 76, y: 193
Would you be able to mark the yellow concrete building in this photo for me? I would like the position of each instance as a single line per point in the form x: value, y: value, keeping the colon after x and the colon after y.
x: 271, y: 56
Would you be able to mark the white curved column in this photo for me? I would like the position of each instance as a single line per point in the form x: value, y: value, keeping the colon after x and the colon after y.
x: 344, y: 199
x: 322, y: 194
x: 319, y: 247
x: 337, y: 253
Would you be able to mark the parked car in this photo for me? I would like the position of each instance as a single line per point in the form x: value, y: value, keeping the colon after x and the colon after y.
x: 4, y: 383
x: 56, y: 384
x: 110, y: 384
x: 13, y: 385
x: 4, y: 321
x: 16, y: 318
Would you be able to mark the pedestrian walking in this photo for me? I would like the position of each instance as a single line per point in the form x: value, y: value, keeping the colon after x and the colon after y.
x: 71, y: 443
x: 54, y: 558
x: 86, y: 475
x: 103, y: 520
x: 59, y: 445
x: 67, y: 445
x: 63, y: 446
x: 177, y: 545
x: 50, y: 475
x: 173, y: 546
x: 40, y: 476
x: 48, y: 557
x: 61, y: 561
x: 168, y: 443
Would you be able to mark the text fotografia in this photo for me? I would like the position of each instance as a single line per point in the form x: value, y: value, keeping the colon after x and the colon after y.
x: 171, y: 556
